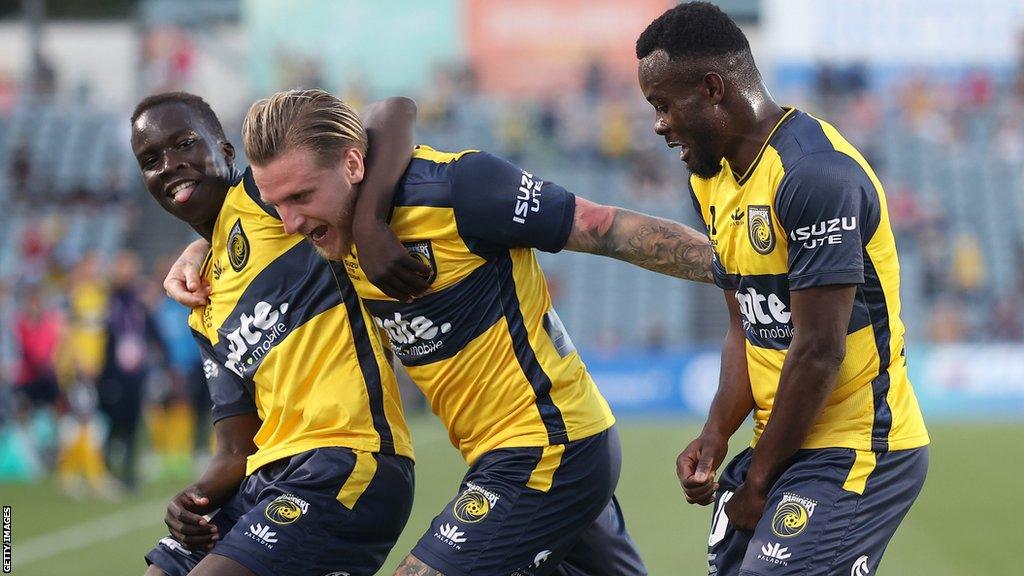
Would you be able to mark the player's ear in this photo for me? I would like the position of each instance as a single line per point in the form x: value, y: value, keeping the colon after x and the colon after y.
x: 229, y: 151
x: 352, y: 161
x: 713, y: 86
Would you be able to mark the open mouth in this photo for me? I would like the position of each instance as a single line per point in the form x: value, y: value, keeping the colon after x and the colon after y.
x: 182, y: 191
x: 318, y: 234
x: 684, y: 151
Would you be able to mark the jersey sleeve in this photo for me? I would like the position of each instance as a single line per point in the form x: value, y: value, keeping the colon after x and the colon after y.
x: 228, y: 391
x: 503, y: 205
x: 722, y: 278
x: 829, y: 208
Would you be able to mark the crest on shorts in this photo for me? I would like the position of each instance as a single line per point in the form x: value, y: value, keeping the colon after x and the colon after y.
x: 238, y: 247
x: 286, y: 509
x: 424, y: 252
x: 474, y: 504
x: 792, y: 515
x: 760, y: 229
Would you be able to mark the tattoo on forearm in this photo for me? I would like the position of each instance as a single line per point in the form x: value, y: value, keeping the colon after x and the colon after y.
x: 412, y: 566
x: 653, y: 243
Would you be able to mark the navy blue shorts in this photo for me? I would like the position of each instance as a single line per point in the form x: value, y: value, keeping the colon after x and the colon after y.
x: 832, y: 512
x: 328, y: 510
x: 536, y: 511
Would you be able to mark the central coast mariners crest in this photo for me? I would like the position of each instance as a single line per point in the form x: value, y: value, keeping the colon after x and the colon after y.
x: 286, y: 509
x: 424, y: 252
x: 760, y: 229
x: 474, y: 504
x: 238, y: 247
x: 792, y: 515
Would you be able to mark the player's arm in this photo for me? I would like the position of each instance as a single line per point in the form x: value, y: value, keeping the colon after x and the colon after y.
x: 390, y: 125
x: 697, y: 464
x: 218, y: 483
x: 653, y: 243
x: 820, y: 317
x: 184, y: 283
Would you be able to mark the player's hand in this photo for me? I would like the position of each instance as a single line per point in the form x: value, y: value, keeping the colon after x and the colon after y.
x: 388, y: 265
x: 186, y: 522
x: 746, y: 507
x: 183, y: 282
x: 696, y: 467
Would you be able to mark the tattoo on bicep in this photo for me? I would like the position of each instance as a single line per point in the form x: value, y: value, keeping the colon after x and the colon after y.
x: 412, y: 566
x: 666, y: 249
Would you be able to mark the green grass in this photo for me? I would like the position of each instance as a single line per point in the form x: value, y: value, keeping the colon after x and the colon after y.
x: 962, y: 524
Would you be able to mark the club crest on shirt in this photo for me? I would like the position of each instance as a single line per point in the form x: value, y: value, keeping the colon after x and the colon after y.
x: 759, y: 228
x: 423, y: 251
x: 238, y: 247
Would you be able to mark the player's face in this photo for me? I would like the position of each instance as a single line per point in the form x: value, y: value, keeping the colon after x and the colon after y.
x: 684, y: 115
x: 313, y: 200
x: 185, y: 167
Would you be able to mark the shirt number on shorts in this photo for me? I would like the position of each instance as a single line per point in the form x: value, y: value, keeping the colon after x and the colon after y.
x: 720, y: 521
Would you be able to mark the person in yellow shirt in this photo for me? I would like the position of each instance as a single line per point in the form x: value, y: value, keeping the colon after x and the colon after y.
x: 805, y: 254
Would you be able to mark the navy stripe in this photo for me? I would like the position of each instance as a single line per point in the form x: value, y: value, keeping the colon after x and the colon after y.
x: 799, y: 137
x: 539, y: 380
x: 434, y: 194
x: 367, y: 360
x: 878, y: 311
x: 253, y: 192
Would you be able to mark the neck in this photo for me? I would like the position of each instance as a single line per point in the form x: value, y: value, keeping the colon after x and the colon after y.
x: 206, y: 228
x: 751, y: 127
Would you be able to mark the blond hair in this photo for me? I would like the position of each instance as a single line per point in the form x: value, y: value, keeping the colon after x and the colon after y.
x: 311, y: 119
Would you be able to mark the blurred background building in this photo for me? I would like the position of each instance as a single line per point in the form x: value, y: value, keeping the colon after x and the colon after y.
x: 931, y: 91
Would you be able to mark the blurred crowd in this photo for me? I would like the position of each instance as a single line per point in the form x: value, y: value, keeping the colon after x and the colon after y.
x: 94, y: 359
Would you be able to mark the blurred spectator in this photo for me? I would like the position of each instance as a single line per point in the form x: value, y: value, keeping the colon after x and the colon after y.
x: 38, y: 332
x: 131, y: 333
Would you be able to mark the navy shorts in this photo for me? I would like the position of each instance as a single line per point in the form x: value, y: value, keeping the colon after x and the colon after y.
x: 328, y: 510
x: 832, y: 512
x: 536, y: 511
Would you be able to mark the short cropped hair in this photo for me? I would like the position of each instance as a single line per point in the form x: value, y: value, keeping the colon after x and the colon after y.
x: 311, y: 119
x: 190, y: 100
x: 694, y: 29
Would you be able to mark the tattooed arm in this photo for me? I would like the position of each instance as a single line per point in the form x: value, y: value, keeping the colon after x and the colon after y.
x: 654, y: 243
x: 413, y: 566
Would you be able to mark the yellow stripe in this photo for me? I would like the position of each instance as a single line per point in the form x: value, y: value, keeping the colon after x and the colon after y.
x: 358, y: 480
x: 863, y: 465
x: 427, y: 153
x: 544, y: 473
x: 757, y: 159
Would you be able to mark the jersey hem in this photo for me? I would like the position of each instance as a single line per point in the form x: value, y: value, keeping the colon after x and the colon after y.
x: 262, y: 458
x: 539, y: 441
x: 864, y: 445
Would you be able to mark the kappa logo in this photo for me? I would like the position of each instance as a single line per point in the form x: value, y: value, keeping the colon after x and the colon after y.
x: 424, y: 252
x: 218, y: 270
x: 792, y: 515
x: 775, y: 553
x: 760, y: 229
x: 737, y: 217
x: 238, y: 247
x: 860, y: 567
x: 263, y: 534
x: 541, y: 558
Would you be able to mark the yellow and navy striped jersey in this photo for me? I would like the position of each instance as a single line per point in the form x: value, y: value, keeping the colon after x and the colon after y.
x: 485, y: 345
x: 284, y: 334
x: 810, y: 212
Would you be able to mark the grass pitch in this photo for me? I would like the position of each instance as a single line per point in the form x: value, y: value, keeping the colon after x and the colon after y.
x: 962, y: 525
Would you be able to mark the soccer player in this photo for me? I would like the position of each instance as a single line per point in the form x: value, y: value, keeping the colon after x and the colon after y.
x: 805, y: 254
x: 313, y: 469
x: 485, y: 345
